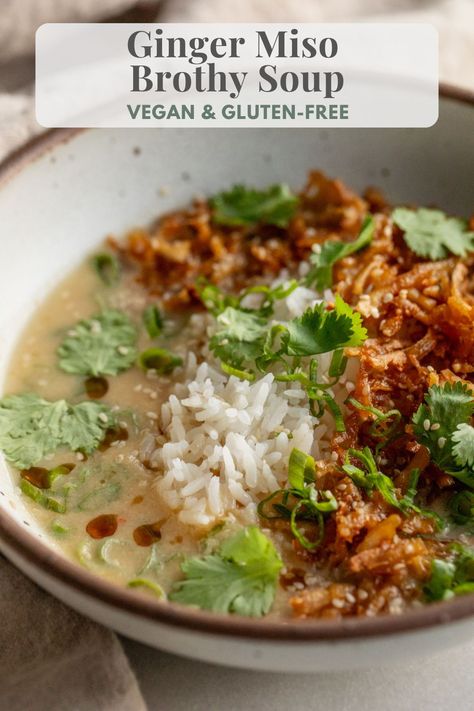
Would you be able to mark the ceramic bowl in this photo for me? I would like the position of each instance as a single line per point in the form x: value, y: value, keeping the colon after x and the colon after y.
x: 63, y: 193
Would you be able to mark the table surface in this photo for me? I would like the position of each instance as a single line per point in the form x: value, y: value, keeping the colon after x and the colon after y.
x: 169, y: 683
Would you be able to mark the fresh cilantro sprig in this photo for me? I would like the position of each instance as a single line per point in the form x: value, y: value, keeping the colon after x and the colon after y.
x: 320, y: 274
x: 101, y: 345
x: 370, y: 478
x: 442, y: 425
x: 246, y: 340
x: 275, y: 205
x: 451, y: 577
x: 31, y: 427
x: 240, y: 578
x: 300, y: 501
x: 432, y: 234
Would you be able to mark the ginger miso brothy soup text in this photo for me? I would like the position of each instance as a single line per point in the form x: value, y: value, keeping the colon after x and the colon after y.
x: 260, y: 405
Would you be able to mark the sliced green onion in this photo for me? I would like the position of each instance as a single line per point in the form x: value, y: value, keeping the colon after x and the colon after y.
x: 153, y: 321
x: 338, y: 363
x: 98, y: 497
x: 38, y: 495
x: 59, y: 528
x: 107, y: 267
x: 160, y: 360
x: 461, y: 506
x: 105, y: 551
x: 149, y: 585
x: 301, y: 469
x: 300, y: 537
x: 241, y: 374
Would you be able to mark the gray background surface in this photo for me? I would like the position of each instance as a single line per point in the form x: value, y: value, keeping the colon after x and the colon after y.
x: 169, y: 683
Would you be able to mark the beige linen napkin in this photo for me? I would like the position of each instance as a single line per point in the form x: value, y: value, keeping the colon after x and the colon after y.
x: 52, y: 659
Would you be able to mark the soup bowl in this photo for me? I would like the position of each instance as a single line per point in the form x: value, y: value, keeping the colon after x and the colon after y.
x: 61, y: 194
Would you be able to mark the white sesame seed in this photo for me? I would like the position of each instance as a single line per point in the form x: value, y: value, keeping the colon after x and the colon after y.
x: 441, y: 442
x: 79, y: 456
x: 435, y: 426
x: 362, y: 594
x: 103, y: 417
x: 123, y: 350
x: 334, y: 456
x: 338, y: 603
x: 388, y: 297
x: 426, y: 425
x: 350, y: 386
x: 152, y: 415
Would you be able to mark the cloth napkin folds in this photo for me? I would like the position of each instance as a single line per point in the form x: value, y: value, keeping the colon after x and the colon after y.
x: 51, y: 657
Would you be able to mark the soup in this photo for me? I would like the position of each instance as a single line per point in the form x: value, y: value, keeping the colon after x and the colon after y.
x: 261, y: 405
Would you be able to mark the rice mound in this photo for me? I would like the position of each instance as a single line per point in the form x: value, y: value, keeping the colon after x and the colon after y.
x: 226, y: 442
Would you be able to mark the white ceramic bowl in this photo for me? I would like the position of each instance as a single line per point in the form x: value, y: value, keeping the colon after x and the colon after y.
x: 62, y: 194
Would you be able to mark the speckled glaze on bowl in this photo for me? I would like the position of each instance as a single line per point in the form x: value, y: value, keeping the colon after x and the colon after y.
x: 63, y: 193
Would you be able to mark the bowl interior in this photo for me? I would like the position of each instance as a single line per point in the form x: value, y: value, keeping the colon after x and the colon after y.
x: 59, y: 206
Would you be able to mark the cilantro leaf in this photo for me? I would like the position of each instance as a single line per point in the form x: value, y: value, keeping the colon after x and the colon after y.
x: 240, y: 338
x: 320, y: 331
x: 101, y: 345
x: 441, y: 580
x: 31, y: 427
x: 240, y: 578
x: 451, y: 577
x: 441, y: 424
x: 463, y: 448
x: 320, y: 275
x: 83, y: 426
x: 241, y: 325
x: 432, y: 234
x: 246, y: 206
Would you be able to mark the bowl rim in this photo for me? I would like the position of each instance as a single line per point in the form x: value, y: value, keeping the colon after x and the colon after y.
x: 55, y: 567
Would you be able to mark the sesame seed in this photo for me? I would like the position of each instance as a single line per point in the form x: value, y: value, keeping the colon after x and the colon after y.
x: 435, y: 426
x: 152, y: 415
x: 334, y: 456
x: 79, y: 456
x: 123, y: 350
x: 338, y: 603
x: 426, y: 425
x: 362, y: 594
x: 388, y: 297
x: 374, y: 312
x: 441, y: 442
x: 350, y: 386
x: 103, y: 417
x: 350, y: 597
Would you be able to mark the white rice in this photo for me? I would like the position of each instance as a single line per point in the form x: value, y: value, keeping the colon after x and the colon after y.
x: 224, y: 443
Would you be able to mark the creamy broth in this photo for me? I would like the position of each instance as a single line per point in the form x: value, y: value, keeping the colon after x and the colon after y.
x: 148, y: 542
